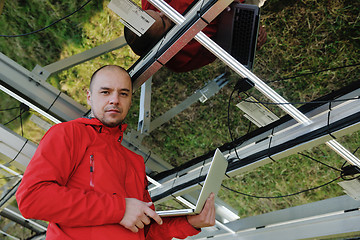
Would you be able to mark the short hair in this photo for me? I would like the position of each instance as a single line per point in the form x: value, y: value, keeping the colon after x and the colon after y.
x: 140, y: 45
x: 106, y: 66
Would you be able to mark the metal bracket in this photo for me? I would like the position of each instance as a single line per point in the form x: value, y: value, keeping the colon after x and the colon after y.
x: 145, y: 110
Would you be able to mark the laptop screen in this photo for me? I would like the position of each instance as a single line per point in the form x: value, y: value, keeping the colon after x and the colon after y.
x: 238, y: 32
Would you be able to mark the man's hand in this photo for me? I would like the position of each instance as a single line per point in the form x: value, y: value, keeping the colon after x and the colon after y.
x: 262, y: 37
x: 138, y: 214
x: 207, y: 216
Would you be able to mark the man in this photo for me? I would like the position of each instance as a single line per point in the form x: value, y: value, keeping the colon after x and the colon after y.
x: 88, y: 186
x: 193, y: 55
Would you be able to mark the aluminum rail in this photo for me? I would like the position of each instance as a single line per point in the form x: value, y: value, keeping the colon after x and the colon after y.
x: 21, y: 82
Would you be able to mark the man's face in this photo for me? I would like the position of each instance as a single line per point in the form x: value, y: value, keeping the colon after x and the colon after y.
x: 110, y: 96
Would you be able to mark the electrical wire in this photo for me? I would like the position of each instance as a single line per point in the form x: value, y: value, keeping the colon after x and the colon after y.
x: 228, y: 121
x: 336, y: 169
x: 292, y: 194
x: 23, y: 108
x: 21, y: 122
x: 8, y: 109
x: 311, y: 73
x: 282, y: 196
x: 11, y: 120
x: 18, y: 153
x: 41, y: 29
x: 344, y: 166
x: 147, y: 158
x: 313, y: 102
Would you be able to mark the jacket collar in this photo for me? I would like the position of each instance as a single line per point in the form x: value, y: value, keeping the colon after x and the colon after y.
x: 117, y: 131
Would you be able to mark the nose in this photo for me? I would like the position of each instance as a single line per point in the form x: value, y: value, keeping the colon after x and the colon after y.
x: 114, y: 99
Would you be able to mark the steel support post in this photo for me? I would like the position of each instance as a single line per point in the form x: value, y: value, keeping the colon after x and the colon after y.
x: 82, y: 57
x: 209, y: 90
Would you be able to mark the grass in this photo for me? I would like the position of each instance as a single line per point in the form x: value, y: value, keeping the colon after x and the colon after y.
x: 303, y: 36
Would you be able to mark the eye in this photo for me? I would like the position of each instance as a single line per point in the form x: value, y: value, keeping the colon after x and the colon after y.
x: 104, y: 92
x: 124, y: 94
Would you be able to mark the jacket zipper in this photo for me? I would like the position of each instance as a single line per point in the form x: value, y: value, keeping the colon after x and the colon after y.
x: 92, y: 168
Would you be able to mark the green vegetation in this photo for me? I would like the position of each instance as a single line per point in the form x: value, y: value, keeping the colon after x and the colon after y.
x: 303, y: 36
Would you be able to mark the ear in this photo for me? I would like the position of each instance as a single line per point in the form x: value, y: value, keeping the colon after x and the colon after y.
x: 88, y: 97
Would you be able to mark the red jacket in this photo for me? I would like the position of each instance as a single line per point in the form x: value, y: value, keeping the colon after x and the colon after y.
x: 193, y: 55
x: 59, y: 187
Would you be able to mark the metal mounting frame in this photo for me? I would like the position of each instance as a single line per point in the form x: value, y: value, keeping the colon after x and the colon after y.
x: 57, y: 104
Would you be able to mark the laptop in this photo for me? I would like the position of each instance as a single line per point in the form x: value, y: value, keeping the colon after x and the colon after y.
x: 238, y: 32
x: 211, y: 184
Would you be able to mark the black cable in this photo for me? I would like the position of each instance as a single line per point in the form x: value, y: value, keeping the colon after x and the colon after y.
x: 23, y: 108
x: 21, y: 122
x: 282, y: 196
x: 242, y: 85
x: 8, y: 163
x: 356, y: 149
x: 313, y: 102
x: 56, y: 98
x: 342, y: 176
x: 336, y: 169
x: 147, y: 158
x: 228, y: 121
x: 41, y: 29
x: 11, y: 120
x: 8, y: 109
x: 13, y: 187
x: 342, y: 167
x: 311, y: 73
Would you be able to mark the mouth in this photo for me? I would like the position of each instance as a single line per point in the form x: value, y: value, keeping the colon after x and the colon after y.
x: 113, y: 110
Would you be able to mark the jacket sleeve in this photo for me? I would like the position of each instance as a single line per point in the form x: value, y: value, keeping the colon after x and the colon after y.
x: 172, y: 227
x: 43, y: 193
